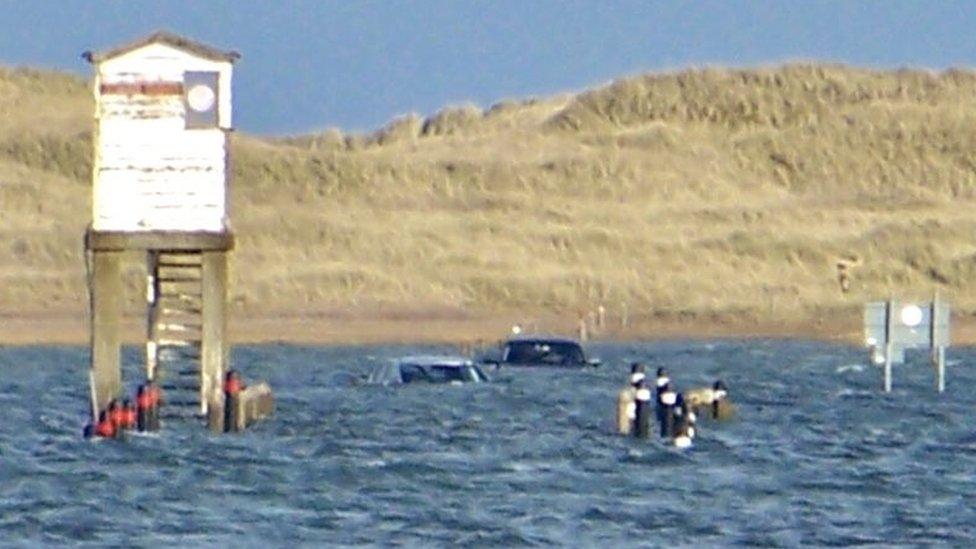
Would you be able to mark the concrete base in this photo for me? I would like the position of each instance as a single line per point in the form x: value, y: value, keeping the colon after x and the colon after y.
x: 254, y: 403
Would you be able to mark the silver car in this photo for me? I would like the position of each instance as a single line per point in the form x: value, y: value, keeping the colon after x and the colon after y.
x: 427, y: 369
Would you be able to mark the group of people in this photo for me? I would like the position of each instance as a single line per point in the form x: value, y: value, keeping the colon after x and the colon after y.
x: 118, y: 417
x: 676, y: 412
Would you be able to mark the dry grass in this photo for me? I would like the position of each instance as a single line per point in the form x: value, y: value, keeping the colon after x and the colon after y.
x: 705, y: 192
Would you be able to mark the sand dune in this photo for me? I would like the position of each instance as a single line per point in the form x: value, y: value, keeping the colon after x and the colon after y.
x: 731, y: 197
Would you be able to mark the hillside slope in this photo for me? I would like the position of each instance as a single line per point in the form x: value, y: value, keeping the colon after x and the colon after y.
x: 716, y: 192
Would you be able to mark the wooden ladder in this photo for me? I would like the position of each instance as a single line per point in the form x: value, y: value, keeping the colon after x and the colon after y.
x: 175, y: 331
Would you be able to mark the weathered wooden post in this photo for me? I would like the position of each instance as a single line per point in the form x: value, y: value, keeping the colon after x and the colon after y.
x: 160, y: 177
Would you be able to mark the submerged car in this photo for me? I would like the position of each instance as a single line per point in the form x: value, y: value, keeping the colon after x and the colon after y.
x: 542, y: 351
x: 427, y: 369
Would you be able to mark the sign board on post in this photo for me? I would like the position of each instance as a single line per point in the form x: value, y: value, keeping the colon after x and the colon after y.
x: 891, y: 327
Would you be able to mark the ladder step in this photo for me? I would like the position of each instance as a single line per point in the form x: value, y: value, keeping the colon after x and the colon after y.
x: 167, y: 338
x: 179, y: 317
x: 174, y: 353
x: 179, y: 259
x: 181, y: 414
x: 176, y: 294
x: 176, y: 385
x: 173, y: 358
x: 180, y: 279
x: 179, y: 267
x: 175, y: 308
x: 176, y: 286
x: 179, y: 399
x: 177, y: 331
x: 185, y: 391
x: 183, y: 342
x: 178, y: 326
x: 177, y: 299
x: 187, y: 312
x: 179, y: 384
x: 178, y: 345
x: 192, y: 404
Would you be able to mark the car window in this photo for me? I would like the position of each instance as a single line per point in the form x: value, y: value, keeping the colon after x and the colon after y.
x: 412, y: 372
x: 446, y: 373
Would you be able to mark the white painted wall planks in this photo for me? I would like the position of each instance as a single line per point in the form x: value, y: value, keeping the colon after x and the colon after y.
x: 150, y: 172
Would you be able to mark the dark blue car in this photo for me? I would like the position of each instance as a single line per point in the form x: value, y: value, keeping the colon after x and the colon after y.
x: 542, y: 351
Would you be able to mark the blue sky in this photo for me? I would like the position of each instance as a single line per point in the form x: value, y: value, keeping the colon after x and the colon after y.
x: 308, y: 65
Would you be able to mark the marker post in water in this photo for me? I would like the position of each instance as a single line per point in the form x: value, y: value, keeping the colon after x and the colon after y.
x: 891, y: 327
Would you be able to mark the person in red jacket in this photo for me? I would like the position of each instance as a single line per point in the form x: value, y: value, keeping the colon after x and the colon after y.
x: 128, y: 415
x: 117, y: 416
x: 155, y: 401
x: 105, y: 428
x: 143, y: 406
x: 233, y: 385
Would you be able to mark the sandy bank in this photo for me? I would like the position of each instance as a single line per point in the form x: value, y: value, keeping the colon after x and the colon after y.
x: 344, y: 328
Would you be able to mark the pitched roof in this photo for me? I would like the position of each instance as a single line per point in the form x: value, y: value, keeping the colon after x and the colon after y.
x: 170, y: 39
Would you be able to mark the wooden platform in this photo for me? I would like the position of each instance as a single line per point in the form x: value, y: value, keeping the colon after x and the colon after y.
x: 119, y: 241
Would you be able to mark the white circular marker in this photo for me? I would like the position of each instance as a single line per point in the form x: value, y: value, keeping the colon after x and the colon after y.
x: 201, y: 98
x: 911, y: 315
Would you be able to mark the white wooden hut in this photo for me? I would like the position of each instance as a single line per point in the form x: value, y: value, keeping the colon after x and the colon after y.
x: 162, y: 110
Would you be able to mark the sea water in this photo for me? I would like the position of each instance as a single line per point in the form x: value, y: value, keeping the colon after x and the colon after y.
x: 816, y: 455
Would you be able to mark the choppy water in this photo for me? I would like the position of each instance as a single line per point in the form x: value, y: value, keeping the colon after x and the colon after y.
x: 817, y: 456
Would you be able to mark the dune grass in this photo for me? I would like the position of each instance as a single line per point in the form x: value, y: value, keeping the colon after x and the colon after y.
x: 702, y: 192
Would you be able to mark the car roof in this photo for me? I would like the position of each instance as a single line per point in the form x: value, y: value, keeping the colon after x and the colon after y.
x: 541, y: 339
x: 450, y: 361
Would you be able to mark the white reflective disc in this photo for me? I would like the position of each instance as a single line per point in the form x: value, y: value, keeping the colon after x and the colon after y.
x: 201, y: 98
x: 911, y: 315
